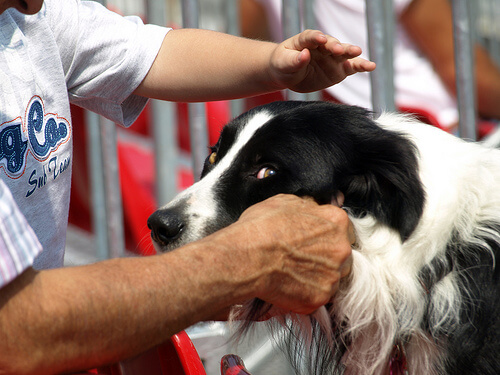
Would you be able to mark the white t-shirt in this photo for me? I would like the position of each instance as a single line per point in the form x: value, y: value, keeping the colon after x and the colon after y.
x: 416, y: 83
x: 71, y: 51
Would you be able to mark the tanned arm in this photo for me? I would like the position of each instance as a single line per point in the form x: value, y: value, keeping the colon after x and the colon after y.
x: 429, y: 23
x: 290, y: 252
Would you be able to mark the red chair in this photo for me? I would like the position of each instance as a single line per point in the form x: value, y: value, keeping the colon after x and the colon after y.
x: 177, y: 356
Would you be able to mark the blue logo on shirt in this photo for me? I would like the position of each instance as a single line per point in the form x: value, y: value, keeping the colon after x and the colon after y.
x: 45, y: 133
x: 53, y: 132
x: 12, y: 148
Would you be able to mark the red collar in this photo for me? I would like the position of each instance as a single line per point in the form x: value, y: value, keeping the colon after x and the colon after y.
x: 397, y: 363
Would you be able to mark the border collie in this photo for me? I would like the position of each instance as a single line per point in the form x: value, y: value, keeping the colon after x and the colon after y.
x: 423, y: 296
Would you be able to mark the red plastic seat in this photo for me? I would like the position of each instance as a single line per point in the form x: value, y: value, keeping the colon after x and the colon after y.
x: 177, y: 356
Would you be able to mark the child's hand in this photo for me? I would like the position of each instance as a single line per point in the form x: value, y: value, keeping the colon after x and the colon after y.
x: 312, y: 61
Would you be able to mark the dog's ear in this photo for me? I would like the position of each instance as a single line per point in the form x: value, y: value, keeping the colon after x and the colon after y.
x: 384, y: 180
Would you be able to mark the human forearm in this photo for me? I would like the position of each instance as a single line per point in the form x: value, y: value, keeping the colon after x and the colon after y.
x: 429, y: 23
x: 202, y: 65
x: 288, y: 251
x: 214, y: 66
x: 75, y: 318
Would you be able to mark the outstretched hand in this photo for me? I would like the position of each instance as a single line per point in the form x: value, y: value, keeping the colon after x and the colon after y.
x: 312, y: 61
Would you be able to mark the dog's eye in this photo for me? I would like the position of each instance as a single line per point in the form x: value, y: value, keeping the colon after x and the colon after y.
x: 212, y: 157
x: 265, y: 172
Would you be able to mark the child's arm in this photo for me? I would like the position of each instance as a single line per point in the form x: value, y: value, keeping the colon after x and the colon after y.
x: 202, y: 65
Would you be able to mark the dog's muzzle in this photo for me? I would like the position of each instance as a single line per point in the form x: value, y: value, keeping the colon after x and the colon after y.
x: 166, y: 227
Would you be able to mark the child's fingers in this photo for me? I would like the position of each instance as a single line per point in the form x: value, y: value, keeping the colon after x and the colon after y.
x: 335, y: 48
x: 310, y: 39
x: 358, y: 65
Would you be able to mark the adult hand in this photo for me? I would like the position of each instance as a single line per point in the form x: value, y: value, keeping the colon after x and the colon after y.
x: 311, y: 61
x: 292, y: 251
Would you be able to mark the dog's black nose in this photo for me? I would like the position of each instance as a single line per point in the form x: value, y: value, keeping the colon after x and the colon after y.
x: 165, y: 226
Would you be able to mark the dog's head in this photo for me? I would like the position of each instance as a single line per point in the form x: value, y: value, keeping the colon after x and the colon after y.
x: 314, y: 149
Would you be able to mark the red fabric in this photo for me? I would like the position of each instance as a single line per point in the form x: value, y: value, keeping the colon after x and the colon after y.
x: 397, y: 363
x: 137, y: 178
x: 137, y: 174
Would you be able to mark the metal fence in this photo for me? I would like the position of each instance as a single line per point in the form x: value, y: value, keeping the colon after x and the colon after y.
x: 471, y: 20
x: 222, y: 15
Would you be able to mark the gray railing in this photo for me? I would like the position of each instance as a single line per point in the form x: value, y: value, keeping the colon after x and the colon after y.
x: 297, y: 14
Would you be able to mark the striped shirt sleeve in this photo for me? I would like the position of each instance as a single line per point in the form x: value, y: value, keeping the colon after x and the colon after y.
x: 18, y: 243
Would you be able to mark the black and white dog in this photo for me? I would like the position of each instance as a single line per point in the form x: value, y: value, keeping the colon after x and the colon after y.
x: 424, y: 293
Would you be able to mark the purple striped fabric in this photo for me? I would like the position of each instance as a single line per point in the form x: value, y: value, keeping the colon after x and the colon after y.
x: 18, y: 243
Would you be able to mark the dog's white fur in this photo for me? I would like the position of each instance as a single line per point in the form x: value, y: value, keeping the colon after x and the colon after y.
x: 384, y: 287
x: 198, y: 199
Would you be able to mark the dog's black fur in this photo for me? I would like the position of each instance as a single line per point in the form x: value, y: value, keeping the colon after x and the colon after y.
x: 375, y: 169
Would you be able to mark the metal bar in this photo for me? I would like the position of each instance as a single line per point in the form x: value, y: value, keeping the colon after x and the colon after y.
x: 232, y: 16
x: 390, y: 24
x: 97, y: 187
x: 164, y: 127
x: 490, y: 13
x: 309, y: 18
x: 233, y: 28
x: 105, y: 183
x: 112, y: 190
x: 165, y: 148
x: 197, y: 117
x: 382, y: 84
x: 495, y: 14
x: 116, y: 239
x: 190, y: 13
x: 290, y: 18
x: 464, y: 62
x: 310, y: 23
x: 198, y: 137
x: 291, y: 24
x: 156, y: 12
x: 107, y: 208
x: 260, y: 357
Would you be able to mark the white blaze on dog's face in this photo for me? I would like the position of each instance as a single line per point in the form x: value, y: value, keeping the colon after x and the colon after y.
x: 307, y: 149
x: 195, y: 212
